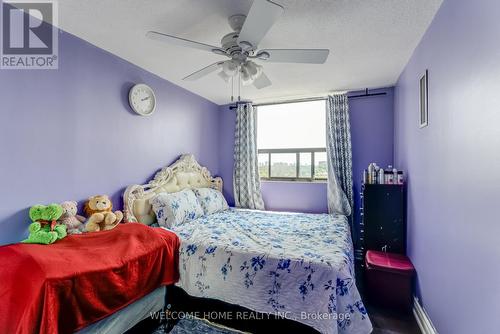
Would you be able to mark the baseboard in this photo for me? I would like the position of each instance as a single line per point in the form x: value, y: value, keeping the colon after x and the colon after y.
x: 422, y: 318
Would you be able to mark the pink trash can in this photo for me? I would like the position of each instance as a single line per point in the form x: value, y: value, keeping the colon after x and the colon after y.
x: 389, y: 280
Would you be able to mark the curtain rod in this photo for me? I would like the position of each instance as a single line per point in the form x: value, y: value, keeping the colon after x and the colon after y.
x: 310, y: 99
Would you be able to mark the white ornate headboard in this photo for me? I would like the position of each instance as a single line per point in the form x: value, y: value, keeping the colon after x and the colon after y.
x: 184, y: 173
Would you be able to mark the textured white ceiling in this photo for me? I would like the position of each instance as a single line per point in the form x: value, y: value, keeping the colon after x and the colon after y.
x: 370, y: 40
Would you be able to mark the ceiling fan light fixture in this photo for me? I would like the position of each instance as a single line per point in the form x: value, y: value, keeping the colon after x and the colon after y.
x: 230, y: 68
x: 247, y: 82
x: 246, y: 78
x: 260, y: 70
x: 224, y: 76
x: 253, y: 69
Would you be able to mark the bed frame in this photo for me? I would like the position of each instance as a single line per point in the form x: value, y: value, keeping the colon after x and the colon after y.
x: 185, y: 173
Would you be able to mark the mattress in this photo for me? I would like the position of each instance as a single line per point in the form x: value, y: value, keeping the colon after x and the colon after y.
x: 296, y: 266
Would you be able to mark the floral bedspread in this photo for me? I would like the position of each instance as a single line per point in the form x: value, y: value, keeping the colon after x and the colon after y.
x: 298, y: 266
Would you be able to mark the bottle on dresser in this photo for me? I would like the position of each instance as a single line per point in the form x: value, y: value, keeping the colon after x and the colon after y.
x: 400, y: 179
x: 389, y: 176
x: 372, y: 173
x: 381, y: 176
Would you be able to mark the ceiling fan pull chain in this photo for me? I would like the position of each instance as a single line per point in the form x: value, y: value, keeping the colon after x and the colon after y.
x: 232, y: 89
x: 239, y: 85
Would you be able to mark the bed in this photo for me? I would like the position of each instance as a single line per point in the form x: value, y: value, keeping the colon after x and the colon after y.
x: 293, y: 266
x: 91, y: 279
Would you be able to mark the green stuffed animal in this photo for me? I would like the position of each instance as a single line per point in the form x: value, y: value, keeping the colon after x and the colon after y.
x: 44, y: 229
x: 47, y: 213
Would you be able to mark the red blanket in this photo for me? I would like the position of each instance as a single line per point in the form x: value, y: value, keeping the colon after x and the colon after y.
x: 63, y: 287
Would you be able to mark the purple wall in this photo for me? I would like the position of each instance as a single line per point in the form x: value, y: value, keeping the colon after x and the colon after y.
x: 69, y: 133
x: 295, y: 196
x: 454, y: 165
x: 372, y: 138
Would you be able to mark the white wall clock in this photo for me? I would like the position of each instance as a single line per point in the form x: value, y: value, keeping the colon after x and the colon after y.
x: 142, y: 99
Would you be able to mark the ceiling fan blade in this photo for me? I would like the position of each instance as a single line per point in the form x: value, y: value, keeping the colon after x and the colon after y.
x: 262, y: 82
x: 306, y: 56
x: 260, y: 19
x: 173, y: 40
x: 204, y: 71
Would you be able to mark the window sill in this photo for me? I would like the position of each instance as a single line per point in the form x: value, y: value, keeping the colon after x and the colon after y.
x: 294, y: 181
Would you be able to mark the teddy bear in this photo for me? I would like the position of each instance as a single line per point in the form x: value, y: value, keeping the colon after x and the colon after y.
x: 45, y: 229
x: 99, y: 211
x: 70, y: 218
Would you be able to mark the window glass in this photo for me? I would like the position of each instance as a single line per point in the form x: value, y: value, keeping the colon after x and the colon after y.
x: 320, y: 167
x: 264, y: 165
x: 305, y: 169
x: 292, y: 133
x: 292, y: 125
x: 284, y: 165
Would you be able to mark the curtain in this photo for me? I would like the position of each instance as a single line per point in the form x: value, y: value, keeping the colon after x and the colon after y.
x: 246, y: 180
x: 339, y: 155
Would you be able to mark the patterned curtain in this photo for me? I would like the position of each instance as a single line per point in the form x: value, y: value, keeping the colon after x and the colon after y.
x: 339, y: 155
x: 246, y: 180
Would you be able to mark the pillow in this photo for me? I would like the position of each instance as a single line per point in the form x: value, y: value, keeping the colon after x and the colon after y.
x: 211, y: 200
x: 173, y: 209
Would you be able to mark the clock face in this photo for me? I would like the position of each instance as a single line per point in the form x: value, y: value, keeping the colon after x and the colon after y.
x: 142, y: 99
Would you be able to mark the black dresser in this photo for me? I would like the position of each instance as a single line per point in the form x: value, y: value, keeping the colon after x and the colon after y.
x: 383, y: 222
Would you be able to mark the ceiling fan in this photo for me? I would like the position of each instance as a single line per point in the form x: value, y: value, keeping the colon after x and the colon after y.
x: 241, y: 46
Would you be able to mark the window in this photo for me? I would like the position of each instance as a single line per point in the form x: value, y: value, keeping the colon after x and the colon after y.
x: 291, y: 141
